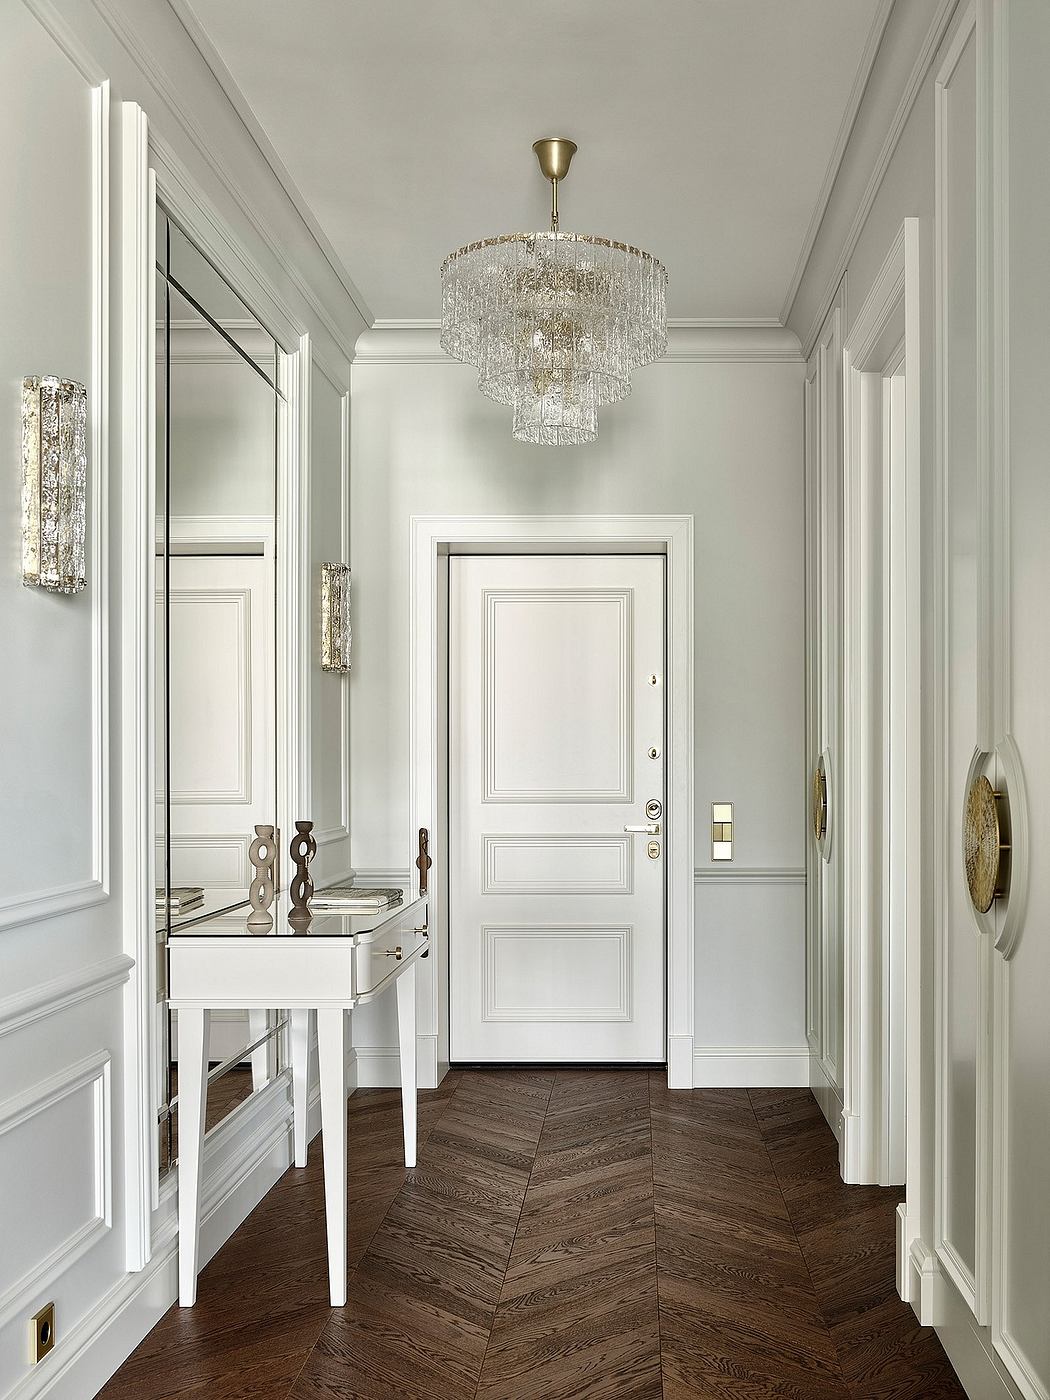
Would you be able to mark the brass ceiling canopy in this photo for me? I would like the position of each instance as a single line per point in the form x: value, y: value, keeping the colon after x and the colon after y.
x: 554, y: 154
x: 985, y: 852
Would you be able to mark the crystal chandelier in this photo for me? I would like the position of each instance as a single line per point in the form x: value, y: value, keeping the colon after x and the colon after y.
x: 555, y: 322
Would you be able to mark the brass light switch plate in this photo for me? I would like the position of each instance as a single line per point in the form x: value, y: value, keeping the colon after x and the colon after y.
x: 721, y: 831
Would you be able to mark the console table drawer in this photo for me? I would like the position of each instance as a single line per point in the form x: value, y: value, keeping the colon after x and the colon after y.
x: 378, y: 961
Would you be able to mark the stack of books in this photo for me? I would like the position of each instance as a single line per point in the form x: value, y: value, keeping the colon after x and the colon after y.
x: 181, y: 899
x: 355, y: 899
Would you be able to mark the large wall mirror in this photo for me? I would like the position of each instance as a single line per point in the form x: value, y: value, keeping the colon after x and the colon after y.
x: 216, y: 703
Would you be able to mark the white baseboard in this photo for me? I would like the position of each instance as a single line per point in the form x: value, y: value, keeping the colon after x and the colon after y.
x: 106, y: 1336
x: 680, y: 1062
x: 919, y: 1280
x: 751, y: 1067
x: 981, y: 1374
x: 827, y: 1096
x: 377, y: 1067
x: 112, y: 1329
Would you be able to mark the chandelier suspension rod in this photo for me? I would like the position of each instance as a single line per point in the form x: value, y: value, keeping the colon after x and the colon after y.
x: 554, y: 205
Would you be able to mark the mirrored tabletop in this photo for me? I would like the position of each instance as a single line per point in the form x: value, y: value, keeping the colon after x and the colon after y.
x: 287, y: 923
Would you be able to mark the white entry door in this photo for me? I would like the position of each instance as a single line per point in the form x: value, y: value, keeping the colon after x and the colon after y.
x: 556, y: 746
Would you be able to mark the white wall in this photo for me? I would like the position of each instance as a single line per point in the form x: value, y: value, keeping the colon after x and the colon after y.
x: 713, y: 431
x: 65, y: 67
x: 979, y: 1255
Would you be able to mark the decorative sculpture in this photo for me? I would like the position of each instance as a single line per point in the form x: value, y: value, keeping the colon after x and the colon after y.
x: 263, y: 856
x: 302, y: 850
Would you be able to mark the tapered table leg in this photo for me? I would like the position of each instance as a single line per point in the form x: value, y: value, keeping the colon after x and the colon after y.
x: 193, y: 1096
x: 406, y: 1031
x: 331, y: 1056
x: 300, y: 1038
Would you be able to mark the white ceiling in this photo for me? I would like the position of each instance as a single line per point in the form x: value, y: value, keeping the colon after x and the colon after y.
x: 705, y: 128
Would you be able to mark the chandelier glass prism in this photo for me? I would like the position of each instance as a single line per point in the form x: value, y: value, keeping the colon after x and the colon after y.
x: 555, y: 322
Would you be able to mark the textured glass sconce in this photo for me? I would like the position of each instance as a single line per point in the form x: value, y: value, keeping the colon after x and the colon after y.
x: 335, y: 617
x: 54, y: 480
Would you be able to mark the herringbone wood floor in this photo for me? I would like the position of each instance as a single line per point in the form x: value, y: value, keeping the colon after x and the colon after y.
x: 568, y: 1233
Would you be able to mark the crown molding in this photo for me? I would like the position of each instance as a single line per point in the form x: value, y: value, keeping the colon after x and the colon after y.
x: 849, y: 117
x: 927, y: 53
x: 198, y: 36
x: 692, y: 342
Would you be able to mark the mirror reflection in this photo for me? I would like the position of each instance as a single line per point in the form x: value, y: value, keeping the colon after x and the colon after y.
x: 215, y: 701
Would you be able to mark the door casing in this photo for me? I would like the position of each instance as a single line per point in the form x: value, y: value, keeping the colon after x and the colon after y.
x: 434, y: 538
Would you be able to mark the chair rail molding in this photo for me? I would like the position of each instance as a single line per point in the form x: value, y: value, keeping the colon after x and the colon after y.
x: 44, y: 999
x: 669, y: 535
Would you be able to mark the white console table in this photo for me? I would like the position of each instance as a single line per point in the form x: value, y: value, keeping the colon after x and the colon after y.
x: 326, y: 969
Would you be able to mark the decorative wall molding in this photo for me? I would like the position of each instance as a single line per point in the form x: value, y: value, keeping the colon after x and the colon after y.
x: 329, y: 835
x: 750, y: 874
x: 226, y: 81
x: 219, y: 533
x: 143, y: 57
x: 67, y: 898
x: 244, y: 1157
x: 416, y: 343
x: 239, y: 600
x: 197, y: 343
x: 92, y: 1073
x: 751, y: 1067
x: 880, y: 803
x: 923, y: 63
x: 970, y: 1281
x: 25, y: 1008
x: 388, y: 875
x: 823, y: 446
x: 860, y: 86
x: 138, y: 577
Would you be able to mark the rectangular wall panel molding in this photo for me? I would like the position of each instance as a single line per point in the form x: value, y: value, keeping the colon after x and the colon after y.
x: 51, y: 1215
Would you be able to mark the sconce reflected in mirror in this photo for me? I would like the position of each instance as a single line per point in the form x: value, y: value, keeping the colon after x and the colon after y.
x: 335, y: 618
x: 54, y: 482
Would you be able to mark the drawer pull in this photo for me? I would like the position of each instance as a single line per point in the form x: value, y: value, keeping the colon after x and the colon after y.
x: 390, y: 953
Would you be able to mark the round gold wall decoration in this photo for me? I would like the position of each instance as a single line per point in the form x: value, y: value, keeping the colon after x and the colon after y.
x: 984, y: 850
x: 820, y: 801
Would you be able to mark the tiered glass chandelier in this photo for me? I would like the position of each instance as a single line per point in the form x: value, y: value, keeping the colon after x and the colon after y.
x: 555, y: 322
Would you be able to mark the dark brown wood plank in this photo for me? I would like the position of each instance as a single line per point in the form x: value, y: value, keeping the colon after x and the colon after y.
x: 737, y: 1312
x: 847, y: 1237
x: 420, y: 1302
x: 578, y: 1311
x: 578, y: 1234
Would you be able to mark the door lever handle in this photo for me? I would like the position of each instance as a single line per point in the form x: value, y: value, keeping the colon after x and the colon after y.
x: 646, y: 829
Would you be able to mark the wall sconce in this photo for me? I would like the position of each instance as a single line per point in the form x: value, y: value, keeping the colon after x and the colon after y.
x: 54, y: 480
x: 335, y: 617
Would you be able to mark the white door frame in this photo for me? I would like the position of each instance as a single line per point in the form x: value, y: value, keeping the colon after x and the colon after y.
x: 434, y: 537
x: 880, y: 785
x: 150, y: 171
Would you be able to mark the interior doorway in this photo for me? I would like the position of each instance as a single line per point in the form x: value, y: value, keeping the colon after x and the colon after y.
x: 435, y: 540
x: 556, y: 808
